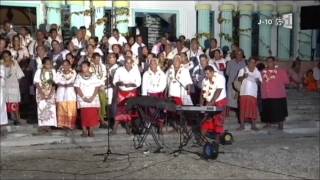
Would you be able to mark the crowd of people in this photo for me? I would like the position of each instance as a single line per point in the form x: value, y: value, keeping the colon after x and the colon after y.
x: 88, y: 81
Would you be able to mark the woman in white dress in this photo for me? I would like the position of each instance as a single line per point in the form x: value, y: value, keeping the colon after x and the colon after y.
x: 66, y: 96
x: 87, y: 87
x: 3, y: 109
x: 44, y: 80
x: 13, y: 73
x: 99, y: 69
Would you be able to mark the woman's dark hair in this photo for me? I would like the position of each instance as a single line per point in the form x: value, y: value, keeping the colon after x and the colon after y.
x: 5, y: 40
x: 70, y: 54
x: 209, y: 68
x: 203, y: 56
x: 46, y: 59
x: 295, y: 63
x: 260, y: 66
x: 215, y: 40
x: 271, y: 57
x: 85, y: 63
x: 52, y: 30
x: 253, y: 58
x: 94, y: 55
x: 54, y: 41
x: 66, y: 61
x: 15, y: 36
x: 95, y: 38
x: 26, y: 29
x: 6, y: 52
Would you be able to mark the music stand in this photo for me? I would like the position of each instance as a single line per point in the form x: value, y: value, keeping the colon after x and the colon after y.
x: 109, y: 152
x: 182, y: 128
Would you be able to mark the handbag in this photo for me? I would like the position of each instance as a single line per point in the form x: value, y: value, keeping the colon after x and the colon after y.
x: 237, y: 83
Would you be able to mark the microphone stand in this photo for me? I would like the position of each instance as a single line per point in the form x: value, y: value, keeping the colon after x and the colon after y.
x: 182, y: 128
x: 109, y: 152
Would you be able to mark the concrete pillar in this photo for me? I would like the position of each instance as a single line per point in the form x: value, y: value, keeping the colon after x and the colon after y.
x: 265, y: 11
x: 76, y: 6
x: 122, y: 20
x: 245, y: 28
x: 54, y: 12
x: 226, y: 25
x: 284, y: 34
x: 203, y: 21
x: 305, y: 44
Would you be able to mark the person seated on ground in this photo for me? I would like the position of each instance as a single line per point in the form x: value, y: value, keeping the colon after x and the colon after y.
x: 310, y: 82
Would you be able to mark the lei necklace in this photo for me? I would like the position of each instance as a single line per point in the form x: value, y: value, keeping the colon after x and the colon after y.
x: 46, y: 77
x: 207, y: 89
x: 153, y: 83
x: 97, y: 70
x: 269, y: 74
x: 85, y: 77
x: 174, y: 76
x: 67, y: 76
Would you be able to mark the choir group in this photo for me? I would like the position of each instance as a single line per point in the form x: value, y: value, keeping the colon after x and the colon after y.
x: 91, y: 80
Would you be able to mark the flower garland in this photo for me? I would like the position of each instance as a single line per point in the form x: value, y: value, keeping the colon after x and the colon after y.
x: 269, y: 74
x: 46, y: 77
x: 157, y: 82
x: 208, y: 88
x: 68, y: 76
x: 97, y: 70
x: 173, y: 76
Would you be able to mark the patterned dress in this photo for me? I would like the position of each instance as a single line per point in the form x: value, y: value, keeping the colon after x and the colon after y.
x: 66, y: 100
x: 3, y: 109
x: 46, y: 107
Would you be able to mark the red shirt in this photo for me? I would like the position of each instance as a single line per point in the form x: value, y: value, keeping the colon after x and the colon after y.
x: 274, y: 83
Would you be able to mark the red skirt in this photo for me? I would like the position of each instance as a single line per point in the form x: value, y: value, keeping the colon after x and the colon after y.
x: 248, y: 108
x: 177, y: 101
x: 122, y: 114
x: 13, y: 107
x: 216, y: 124
x: 90, y: 117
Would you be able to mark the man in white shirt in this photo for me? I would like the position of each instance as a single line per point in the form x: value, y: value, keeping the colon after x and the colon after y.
x: 179, y: 83
x: 116, y: 38
x: 54, y: 36
x: 214, y: 94
x: 197, y: 76
x: 138, y: 44
x: 154, y: 80
x: 127, y: 80
x: 78, y: 41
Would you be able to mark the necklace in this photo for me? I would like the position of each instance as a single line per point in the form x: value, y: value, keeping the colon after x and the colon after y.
x: 85, y: 77
x: 46, y: 77
x: 67, y: 76
x: 98, y: 70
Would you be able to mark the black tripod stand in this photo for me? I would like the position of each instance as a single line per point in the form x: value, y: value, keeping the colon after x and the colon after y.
x: 109, y: 152
x: 182, y: 128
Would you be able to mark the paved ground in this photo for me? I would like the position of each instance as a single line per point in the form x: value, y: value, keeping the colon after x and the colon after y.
x: 267, y: 154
